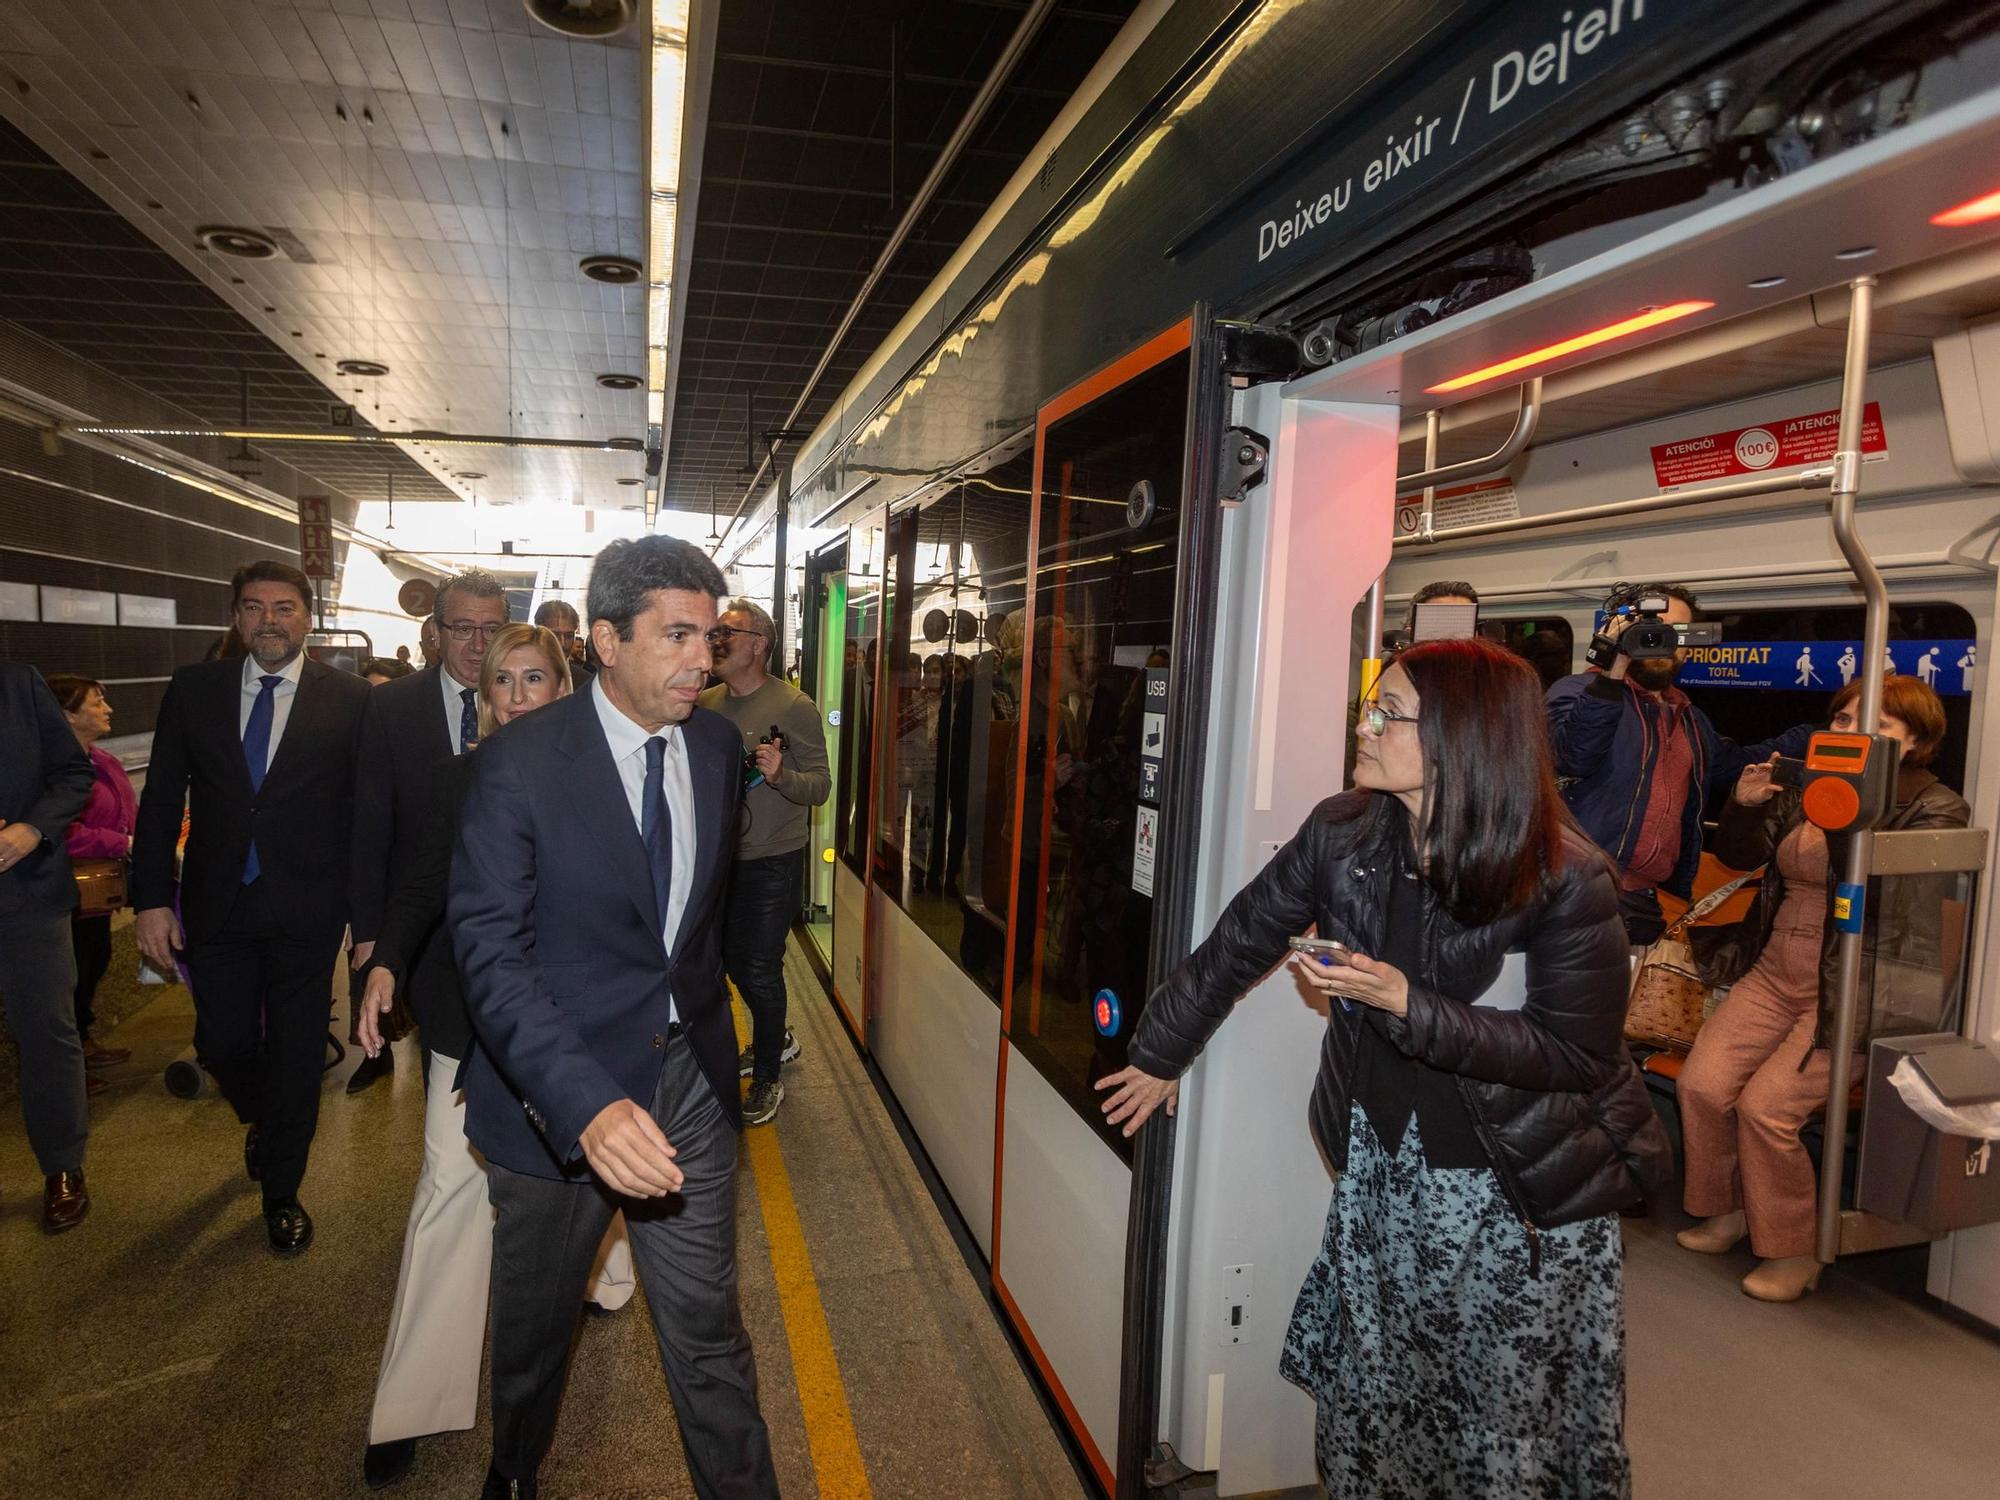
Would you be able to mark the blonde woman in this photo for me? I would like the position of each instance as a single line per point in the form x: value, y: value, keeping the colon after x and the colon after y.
x: 429, y: 1380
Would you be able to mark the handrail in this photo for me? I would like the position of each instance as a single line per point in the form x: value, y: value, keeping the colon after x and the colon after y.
x: 1735, y: 489
x: 1526, y: 420
x: 1928, y: 851
x: 1875, y: 640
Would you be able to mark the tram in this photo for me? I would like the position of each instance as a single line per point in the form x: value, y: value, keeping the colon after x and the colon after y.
x: 1298, y: 306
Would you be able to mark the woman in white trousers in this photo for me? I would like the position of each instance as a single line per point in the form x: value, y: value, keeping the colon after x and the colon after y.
x: 429, y: 1380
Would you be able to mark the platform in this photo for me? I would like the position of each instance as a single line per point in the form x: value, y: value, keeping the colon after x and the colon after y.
x: 162, y: 1349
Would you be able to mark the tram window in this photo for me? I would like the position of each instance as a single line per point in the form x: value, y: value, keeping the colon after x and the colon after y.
x: 1104, y: 606
x: 1545, y: 643
x: 1806, y: 662
x: 857, y: 695
x: 946, y: 827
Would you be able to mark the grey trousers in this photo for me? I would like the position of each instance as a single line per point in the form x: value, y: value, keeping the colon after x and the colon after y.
x: 544, y: 1240
x: 38, y: 988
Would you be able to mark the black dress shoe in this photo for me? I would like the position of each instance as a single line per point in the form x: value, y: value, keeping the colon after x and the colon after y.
x: 289, y: 1225
x: 64, y: 1202
x: 599, y: 1310
x: 381, y: 1065
x: 388, y: 1462
x: 500, y: 1487
x: 252, y: 1164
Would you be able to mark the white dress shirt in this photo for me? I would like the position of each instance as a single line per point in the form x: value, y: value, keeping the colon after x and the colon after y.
x: 281, y: 698
x: 628, y: 753
x: 454, y: 707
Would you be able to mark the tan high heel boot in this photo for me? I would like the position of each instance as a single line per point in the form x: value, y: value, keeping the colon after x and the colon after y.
x: 1716, y: 1236
x: 1783, y: 1280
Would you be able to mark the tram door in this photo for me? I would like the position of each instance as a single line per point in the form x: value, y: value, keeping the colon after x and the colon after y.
x: 826, y: 591
x: 1096, y: 677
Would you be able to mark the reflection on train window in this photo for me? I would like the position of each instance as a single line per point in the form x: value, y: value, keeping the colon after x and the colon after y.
x: 945, y: 827
x: 1545, y: 643
x: 1809, y: 663
x: 1104, y: 607
x: 857, y: 694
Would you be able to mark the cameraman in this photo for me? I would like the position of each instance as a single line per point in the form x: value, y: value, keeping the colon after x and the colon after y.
x: 1639, y: 762
x: 791, y: 775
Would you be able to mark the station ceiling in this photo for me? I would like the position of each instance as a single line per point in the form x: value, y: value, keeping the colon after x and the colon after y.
x: 432, y: 171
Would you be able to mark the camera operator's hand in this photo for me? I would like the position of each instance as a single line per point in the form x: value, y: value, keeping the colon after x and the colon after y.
x: 770, y: 759
x: 1755, y: 786
x: 1614, y: 629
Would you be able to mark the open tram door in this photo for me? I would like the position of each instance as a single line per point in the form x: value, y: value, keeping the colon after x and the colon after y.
x: 823, y: 677
x: 1113, y: 655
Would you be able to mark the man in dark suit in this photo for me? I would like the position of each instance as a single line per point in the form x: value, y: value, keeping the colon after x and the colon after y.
x: 45, y: 779
x: 262, y: 748
x: 585, y: 908
x: 410, y: 728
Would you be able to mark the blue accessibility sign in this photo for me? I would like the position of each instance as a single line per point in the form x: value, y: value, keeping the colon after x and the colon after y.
x: 1826, y: 666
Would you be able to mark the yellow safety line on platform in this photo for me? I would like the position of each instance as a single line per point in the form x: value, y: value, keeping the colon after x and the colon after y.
x: 836, y: 1452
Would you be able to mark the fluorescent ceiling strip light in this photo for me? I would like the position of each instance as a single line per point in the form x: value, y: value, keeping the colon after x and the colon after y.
x: 668, y: 105
x: 1973, y: 211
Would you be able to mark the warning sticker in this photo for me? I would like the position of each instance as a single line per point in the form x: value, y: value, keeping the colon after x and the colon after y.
x: 1145, y: 848
x: 1461, y: 505
x: 1784, y: 444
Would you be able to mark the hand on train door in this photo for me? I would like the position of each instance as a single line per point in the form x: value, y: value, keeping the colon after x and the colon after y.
x: 1138, y: 1095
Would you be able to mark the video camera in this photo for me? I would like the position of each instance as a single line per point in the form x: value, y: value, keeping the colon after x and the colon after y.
x: 1648, y: 637
x: 752, y: 776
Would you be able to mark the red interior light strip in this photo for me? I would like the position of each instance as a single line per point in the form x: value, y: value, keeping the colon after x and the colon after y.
x: 1972, y: 211
x: 1651, y: 318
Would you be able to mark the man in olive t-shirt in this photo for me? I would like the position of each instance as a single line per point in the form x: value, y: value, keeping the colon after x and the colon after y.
x: 789, y: 776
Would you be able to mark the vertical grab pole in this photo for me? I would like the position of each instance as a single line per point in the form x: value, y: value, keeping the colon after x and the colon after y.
x: 1847, y: 997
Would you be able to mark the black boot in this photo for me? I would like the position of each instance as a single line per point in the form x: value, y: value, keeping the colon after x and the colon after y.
x: 500, y: 1487
x: 385, y: 1463
x: 381, y: 1065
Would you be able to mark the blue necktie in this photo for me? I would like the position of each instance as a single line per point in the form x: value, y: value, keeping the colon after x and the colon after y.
x: 257, y: 754
x: 468, y: 719
x: 656, y: 826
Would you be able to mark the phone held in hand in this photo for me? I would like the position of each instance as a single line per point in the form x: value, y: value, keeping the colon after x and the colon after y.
x: 1326, y: 950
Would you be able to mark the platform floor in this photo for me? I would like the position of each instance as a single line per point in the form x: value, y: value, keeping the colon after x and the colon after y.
x: 162, y: 1349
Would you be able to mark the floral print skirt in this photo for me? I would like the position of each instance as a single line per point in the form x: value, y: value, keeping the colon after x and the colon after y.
x: 1444, y: 1364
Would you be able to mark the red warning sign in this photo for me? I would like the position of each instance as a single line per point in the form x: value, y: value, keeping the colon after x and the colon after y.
x: 1783, y: 444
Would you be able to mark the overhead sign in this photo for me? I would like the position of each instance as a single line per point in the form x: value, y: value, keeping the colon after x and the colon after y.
x: 1950, y: 667
x: 1782, y: 444
x: 19, y: 601
x: 316, y: 536
x: 1461, y: 505
x: 1492, y: 82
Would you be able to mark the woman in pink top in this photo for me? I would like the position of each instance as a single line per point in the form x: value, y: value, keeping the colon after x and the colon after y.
x: 103, y: 831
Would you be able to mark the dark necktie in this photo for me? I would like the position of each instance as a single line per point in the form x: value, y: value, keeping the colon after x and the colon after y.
x: 468, y: 718
x: 656, y: 826
x: 257, y: 754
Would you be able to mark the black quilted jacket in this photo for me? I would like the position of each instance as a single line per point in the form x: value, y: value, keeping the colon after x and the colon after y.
x: 1550, y: 1088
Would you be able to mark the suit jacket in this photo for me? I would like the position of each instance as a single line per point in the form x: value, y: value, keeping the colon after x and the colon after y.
x: 301, y: 820
x: 45, y: 779
x: 410, y: 943
x: 404, y: 739
x: 552, y: 915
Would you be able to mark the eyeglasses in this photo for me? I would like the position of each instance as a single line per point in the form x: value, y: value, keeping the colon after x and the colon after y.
x: 465, y: 632
x: 722, y: 635
x: 1375, y: 719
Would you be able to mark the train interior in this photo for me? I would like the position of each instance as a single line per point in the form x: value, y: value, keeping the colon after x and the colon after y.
x: 1000, y: 648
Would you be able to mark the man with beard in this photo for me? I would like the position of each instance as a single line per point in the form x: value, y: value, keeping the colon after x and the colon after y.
x: 1639, y: 762
x: 262, y: 750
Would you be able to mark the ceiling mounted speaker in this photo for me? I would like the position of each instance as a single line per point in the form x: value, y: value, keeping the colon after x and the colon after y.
x: 620, y: 382
x: 362, y: 367
x: 244, y: 244
x: 612, y: 270
x: 590, y: 19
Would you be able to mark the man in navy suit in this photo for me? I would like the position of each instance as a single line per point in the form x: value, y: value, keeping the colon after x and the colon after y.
x: 260, y: 749
x: 585, y: 908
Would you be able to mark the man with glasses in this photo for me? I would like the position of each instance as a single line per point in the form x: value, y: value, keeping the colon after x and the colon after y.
x: 412, y: 726
x: 261, y: 751
x: 559, y: 618
x: 785, y: 774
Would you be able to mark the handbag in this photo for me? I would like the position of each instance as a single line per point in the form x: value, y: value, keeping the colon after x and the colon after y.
x: 100, y: 884
x: 1669, y: 998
